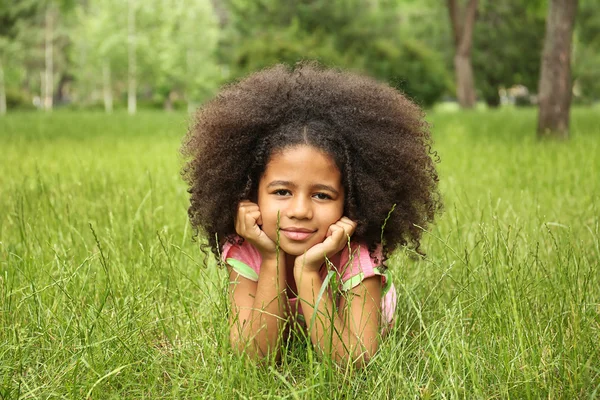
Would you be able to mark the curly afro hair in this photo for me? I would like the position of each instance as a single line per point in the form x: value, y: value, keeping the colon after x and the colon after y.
x: 376, y: 136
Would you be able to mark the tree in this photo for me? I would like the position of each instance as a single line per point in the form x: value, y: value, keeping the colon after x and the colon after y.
x: 462, y: 22
x: 132, y: 59
x: 555, y: 88
x: 15, y: 17
x: 172, y: 59
x: 49, y: 37
x: 100, y: 51
x: 33, y: 44
x: 185, y: 43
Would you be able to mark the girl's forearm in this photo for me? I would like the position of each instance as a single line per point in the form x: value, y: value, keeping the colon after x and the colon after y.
x: 260, y: 333
x: 330, y: 333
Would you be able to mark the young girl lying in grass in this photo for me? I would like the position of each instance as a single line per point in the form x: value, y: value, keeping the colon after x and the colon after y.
x: 303, y: 181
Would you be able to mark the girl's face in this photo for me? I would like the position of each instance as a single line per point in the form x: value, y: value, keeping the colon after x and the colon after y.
x: 304, y: 186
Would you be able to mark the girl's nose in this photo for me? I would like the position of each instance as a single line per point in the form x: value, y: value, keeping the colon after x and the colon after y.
x: 299, y: 208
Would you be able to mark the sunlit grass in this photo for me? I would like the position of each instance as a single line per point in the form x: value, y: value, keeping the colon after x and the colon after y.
x: 103, y: 293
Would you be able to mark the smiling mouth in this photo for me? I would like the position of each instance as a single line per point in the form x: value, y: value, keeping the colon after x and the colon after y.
x: 297, y: 234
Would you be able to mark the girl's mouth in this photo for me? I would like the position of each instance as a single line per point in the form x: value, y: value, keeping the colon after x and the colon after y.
x: 298, y: 234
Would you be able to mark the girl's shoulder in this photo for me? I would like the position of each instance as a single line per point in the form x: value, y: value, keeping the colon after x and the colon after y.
x: 357, y: 263
x: 242, y: 257
x: 356, y: 257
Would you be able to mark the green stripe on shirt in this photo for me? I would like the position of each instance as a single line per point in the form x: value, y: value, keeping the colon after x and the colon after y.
x: 242, y: 269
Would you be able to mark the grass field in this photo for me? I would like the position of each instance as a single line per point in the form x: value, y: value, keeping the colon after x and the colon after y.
x: 104, y: 295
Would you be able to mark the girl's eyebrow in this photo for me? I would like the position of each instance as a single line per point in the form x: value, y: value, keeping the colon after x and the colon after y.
x: 281, y: 183
x: 318, y: 186
x: 328, y: 188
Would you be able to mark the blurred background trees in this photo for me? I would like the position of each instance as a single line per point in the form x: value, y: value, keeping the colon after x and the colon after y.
x: 174, y: 54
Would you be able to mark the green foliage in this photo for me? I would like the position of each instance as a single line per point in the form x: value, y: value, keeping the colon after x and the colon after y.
x: 354, y: 34
x: 284, y: 45
x: 14, y: 11
x: 411, y: 67
x: 180, y: 48
x: 507, y: 47
x: 17, y: 99
x: 587, y: 53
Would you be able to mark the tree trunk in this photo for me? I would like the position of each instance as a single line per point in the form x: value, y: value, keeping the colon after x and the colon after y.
x: 107, y: 88
x: 462, y: 29
x: 49, y: 72
x: 168, y: 104
x: 189, y: 65
x: 2, y: 91
x: 62, y: 93
x: 465, y: 86
x: 132, y: 84
x: 555, y: 87
x: 221, y: 12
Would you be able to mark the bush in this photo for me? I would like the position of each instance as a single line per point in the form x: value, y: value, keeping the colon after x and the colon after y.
x: 17, y: 99
x: 411, y: 67
x: 283, y: 45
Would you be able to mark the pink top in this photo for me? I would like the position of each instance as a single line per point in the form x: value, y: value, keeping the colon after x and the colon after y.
x: 350, y: 268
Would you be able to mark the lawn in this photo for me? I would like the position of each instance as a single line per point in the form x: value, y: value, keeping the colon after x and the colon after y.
x: 103, y: 293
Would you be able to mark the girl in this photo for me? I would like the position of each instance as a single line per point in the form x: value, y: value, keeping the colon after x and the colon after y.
x: 305, y: 178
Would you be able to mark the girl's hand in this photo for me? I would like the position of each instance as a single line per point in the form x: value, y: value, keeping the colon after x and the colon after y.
x: 247, y: 226
x: 337, y: 237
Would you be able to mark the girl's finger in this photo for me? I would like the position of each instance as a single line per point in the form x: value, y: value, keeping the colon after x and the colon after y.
x: 247, y: 207
x: 347, y: 220
x: 243, y: 208
x: 339, y: 237
x: 329, y: 231
x: 333, y: 228
x: 348, y: 226
x: 245, y: 221
x: 250, y: 218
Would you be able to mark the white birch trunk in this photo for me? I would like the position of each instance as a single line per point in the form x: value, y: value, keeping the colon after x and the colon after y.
x: 132, y: 84
x: 107, y: 88
x: 188, y: 68
x: 40, y: 103
x: 2, y: 91
x: 49, y: 73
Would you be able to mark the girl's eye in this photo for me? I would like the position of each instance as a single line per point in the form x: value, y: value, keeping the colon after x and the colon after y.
x: 281, y: 192
x: 322, y: 196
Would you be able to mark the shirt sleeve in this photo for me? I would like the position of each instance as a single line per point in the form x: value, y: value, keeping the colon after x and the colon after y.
x: 243, y: 259
x: 357, y: 264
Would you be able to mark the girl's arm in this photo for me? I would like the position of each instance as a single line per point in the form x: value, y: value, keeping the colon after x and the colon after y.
x: 257, y: 309
x: 347, y: 334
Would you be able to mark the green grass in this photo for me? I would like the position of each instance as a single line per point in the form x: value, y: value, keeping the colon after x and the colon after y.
x: 103, y: 294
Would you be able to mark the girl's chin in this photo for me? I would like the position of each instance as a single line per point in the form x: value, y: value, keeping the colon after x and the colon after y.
x: 293, y: 252
x: 295, y: 249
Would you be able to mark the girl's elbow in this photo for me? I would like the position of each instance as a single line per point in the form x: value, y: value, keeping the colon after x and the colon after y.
x: 247, y: 347
x: 363, y: 359
x: 236, y: 344
x: 359, y: 358
x: 242, y: 345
